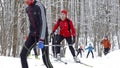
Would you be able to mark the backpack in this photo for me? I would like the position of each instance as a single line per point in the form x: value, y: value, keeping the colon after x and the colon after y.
x: 68, y: 21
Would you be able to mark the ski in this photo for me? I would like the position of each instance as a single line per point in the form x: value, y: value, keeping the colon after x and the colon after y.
x: 58, y: 59
x: 61, y: 61
x: 86, y: 64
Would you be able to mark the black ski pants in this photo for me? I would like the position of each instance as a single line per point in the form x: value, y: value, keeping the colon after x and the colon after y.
x: 35, y: 51
x: 54, y: 41
x: 29, y: 44
x: 106, y: 51
x: 80, y: 53
x: 69, y: 41
x: 89, y: 53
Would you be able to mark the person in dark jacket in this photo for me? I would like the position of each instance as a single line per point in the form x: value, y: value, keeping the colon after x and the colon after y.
x: 38, y: 32
x: 80, y: 51
x: 67, y: 31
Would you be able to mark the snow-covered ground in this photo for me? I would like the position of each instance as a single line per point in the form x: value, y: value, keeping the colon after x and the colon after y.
x: 112, y: 60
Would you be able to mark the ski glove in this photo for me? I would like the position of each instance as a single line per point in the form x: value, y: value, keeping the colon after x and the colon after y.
x: 40, y: 44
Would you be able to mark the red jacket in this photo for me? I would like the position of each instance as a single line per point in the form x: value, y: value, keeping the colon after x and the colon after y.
x: 64, y: 28
x: 106, y: 43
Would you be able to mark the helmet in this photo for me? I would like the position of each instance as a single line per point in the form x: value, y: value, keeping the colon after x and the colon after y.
x: 29, y: 2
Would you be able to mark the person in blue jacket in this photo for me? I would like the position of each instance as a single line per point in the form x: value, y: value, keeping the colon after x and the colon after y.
x: 90, y: 49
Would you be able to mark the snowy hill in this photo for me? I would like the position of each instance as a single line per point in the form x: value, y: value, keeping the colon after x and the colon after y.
x: 112, y: 60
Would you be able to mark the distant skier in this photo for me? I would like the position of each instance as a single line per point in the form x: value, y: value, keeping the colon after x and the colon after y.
x: 67, y: 31
x: 90, y: 50
x: 106, y: 44
x: 80, y: 49
x: 54, y: 38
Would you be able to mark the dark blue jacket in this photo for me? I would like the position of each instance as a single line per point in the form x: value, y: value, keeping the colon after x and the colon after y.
x: 38, y: 21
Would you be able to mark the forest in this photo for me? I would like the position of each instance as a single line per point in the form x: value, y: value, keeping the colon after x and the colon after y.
x: 93, y: 19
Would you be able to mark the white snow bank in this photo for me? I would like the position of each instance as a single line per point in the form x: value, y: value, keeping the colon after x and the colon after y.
x: 111, y: 60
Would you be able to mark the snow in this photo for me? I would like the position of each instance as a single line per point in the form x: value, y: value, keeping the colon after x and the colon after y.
x: 111, y: 60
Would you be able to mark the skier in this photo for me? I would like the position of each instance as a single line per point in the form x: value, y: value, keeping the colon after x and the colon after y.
x: 38, y: 32
x: 106, y: 44
x: 67, y: 31
x: 80, y: 51
x: 54, y: 41
x: 90, y: 48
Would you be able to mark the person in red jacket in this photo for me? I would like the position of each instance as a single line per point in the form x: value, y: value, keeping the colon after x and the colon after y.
x: 67, y: 31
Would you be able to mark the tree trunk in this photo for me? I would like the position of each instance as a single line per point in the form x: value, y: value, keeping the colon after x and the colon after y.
x: 15, y: 40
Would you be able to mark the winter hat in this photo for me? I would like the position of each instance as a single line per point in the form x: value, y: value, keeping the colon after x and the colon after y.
x: 106, y: 36
x: 29, y: 2
x: 64, y: 11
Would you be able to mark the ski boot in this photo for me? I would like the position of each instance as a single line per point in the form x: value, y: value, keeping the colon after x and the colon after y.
x: 58, y: 57
x: 76, y: 59
x: 36, y: 57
